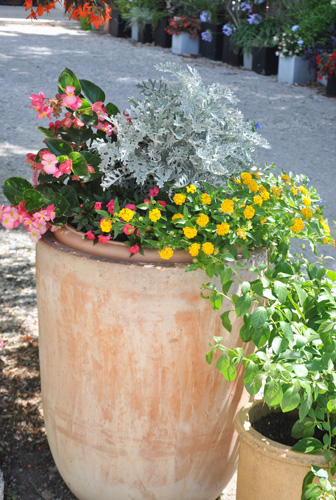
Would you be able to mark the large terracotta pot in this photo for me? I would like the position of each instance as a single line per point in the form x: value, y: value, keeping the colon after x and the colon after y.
x: 132, y: 410
x: 267, y: 469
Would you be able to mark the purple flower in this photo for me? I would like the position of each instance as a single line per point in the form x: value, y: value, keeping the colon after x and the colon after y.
x: 205, y: 17
x: 300, y: 42
x: 227, y: 30
x: 207, y: 36
x: 254, y: 18
x: 295, y: 27
x: 244, y: 6
x: 258, y: 126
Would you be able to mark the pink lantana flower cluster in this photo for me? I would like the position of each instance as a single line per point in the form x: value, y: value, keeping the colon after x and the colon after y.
x: 36, y: 224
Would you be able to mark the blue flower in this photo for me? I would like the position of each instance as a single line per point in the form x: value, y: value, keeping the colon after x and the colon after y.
x: 254, y: 18
x: 295, y: 27
x: 244, y: 6
x: 300, y: 42
x: 205, y: 17
x: 227, y: 30
x: 259, y: 1
x: 258, y: 126
x: 207, y: 36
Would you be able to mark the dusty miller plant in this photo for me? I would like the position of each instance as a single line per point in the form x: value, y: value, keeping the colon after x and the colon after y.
x: 179, y: 133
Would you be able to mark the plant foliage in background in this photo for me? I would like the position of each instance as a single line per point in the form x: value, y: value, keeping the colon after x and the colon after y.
x: 180, y: 134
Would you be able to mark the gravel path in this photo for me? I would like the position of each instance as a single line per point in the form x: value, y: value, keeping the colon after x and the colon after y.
x: 298, y: 121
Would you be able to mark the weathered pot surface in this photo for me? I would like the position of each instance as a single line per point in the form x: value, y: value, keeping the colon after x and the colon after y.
x: 267, y: 469
x: 132, y: 410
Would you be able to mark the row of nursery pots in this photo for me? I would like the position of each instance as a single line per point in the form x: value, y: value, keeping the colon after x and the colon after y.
x: 262, y: 60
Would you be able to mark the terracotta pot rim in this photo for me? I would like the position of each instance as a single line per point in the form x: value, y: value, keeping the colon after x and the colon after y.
x: 117, y: 251
x: 267, y: 446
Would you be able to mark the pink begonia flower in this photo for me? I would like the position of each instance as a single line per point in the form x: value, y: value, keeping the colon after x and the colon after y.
x: 110, y: 207
x: 146, y: 200
x: 27, y: 222
x: 98, y: 108
x: 103, y: 239
x: 37, y: 101
x: 128, y: 229
x: 70, y: 100
x: 138, y: 233
x: 2, y: 208
x: 64, y: 168
x: 98, y: 205
x: 131, y: 206
x: 44, y: 112
x: 49, y: 162
x: 134, y: 249
x: 89, y: 235
x: 162, y: 203
x: 34, y: 235
x: 91, y: 169
x: 105, y: 127
x: 50, y: 213
x: 153, y: 192
x: 67, y: 122
x: 53, y: 228
x: 77, y: 123
x: 40, y: 226
x: 35, y: 178
x: 10, y: 217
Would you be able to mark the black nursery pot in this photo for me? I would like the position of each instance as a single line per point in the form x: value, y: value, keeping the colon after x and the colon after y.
x: 161, y: 37
x: 212, y: 50
x: 331, y: 86
x: 145, y: 33
x: 118, y: 25
x: 229, y: 56
x: 264, y: 60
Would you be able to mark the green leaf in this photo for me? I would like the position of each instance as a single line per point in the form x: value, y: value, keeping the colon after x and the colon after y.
x: 226, y: 275
x: 70, y: 194
x: 210, y: 269
x: 79, y: 165
x: 287, y: 330
x: 13, y: 189
x: 279, y: 344
x: 209, y: 357
x: 92, y: 91
x: 216, y: 300
x: 112, y: 110
x: 86, y: 115
x: 308, y: 445
x: 228, y: 257
x: 301, y: 294
x: 261, y: 336
x: 331, y: 275
x: 68, y: 77
x: 331, y: 405
x: 290, y: 400
x: 259, y: 317
x: 280, y: 291
x: 254, y: 387
x: 33, y: 200
x: 273, y: 393
x: 226, y: 321
x: 49, y: 132
x: 306, y: 403
x: 226, y: 287
x: 226, y: 367
x: 58, y: 147
x: 242, y: 305
x: 245, y: 333
x: 250, y: 372
x: 91, y: 159
x: 300, y: 370
x: 246, y: 287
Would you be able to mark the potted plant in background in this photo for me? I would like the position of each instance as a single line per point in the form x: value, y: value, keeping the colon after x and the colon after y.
x: 291, y: 433
x: 326, y: 67
x: 117, y: 25
x: 161, y: 19
x: 185, y: 34
x: 292, y: 67
x: 169, y: 181
x: 140, y: 19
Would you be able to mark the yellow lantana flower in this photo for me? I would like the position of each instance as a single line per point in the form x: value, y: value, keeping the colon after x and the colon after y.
x: 242, y: 233
x: 246, y: 177
x: 275, y: 190
x: 303, y: 190
x: 253, y: 187
x: 208, y: 248
x: 249, y: 212
x: 194, y: 249
x: 223, y: 229
x: 190, y: 232
x: 190, y: 189
x: 294, y: 190
x: 306, y: 200
x: 257, y: 200
x: 298, y: 225
x: 306, y: 212
x: 263, y: 220
x: 154, y: 214
x: 177, y: 216
x: 166, y: 253
x: 227, y: 206
x: 205, y: 199
x: 179, y: 198
x: 106, y: 225
x: 126, y: 214
x: 202, y: 220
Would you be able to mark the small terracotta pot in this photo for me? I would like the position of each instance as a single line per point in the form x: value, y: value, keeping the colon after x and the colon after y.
x: 132, y: 410
x: 267, y: 469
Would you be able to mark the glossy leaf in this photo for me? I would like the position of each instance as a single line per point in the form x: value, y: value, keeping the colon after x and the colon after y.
x: 33, y: 200
x: 226, y: 321
x: 58, y: 147
x: 68, y: 78
x: 259, y: 317
x: 242, y: 305
x: 112, y: 109
x: 14, y: 187
x: 92, y: 91
x: 79, y: 166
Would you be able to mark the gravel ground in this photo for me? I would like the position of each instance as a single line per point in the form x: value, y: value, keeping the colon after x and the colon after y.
x: 298, y: 121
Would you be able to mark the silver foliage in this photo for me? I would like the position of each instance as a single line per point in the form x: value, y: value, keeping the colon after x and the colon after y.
x: 180, y: 133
